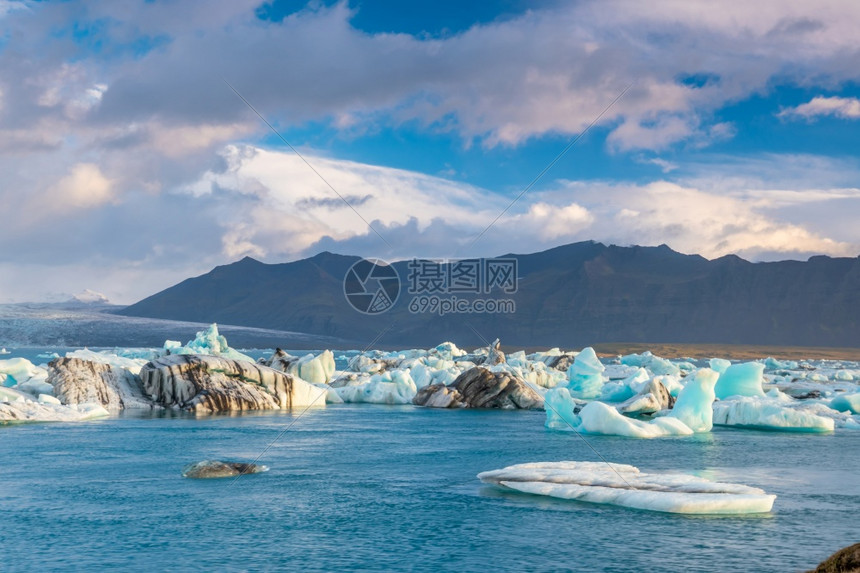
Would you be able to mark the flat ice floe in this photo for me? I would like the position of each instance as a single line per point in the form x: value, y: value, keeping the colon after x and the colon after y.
x: 626, y: 486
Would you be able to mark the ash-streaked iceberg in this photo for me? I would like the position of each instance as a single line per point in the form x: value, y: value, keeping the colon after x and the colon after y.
x: 626, y: 486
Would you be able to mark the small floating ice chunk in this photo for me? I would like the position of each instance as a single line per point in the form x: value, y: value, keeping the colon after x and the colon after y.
x: 626, y: 486
x: 741, y: 380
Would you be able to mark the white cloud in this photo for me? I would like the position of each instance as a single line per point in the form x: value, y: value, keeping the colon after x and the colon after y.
x: 544, y: 71
x: 148, y: 140
x: 691, y: 220
x: 289, y: 208
x: 842, y: 107
x: 287, y: 212
x: 85, y: 187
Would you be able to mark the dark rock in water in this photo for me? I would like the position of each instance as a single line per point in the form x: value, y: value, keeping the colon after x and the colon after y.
x: 218, y: 469
x: 205, y: 384
x: 480, y: 388
x: 561, y: 362
x: 77, y: 381
x: 845, y: 560
x: 811, y: 395
x: 653, y: 398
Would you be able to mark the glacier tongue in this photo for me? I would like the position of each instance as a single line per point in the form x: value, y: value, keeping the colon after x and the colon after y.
x: 626, y: 486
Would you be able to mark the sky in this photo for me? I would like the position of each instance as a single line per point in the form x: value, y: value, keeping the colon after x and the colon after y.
x: 132, y: 157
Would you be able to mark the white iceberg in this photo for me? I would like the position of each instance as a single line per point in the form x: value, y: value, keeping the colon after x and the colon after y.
x: 655, y: 364
x: 626, y: 486
x: 314, y: 369
x: 769, y: 413
x: 23, y: 409
x: 20, y: 371
x: 600, y: 418
x: 391, y: 387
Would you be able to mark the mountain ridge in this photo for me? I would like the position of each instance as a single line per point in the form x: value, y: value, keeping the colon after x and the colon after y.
x: 571, y: 295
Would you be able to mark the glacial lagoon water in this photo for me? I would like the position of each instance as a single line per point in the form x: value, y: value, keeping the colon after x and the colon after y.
x: 363, y: 487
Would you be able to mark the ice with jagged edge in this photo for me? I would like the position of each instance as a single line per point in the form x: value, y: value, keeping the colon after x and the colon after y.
x: 692, y: 413
x: 626, y: 486
x: 785, y: 395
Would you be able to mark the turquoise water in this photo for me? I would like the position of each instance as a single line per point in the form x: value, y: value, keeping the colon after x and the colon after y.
x: 382, y: 488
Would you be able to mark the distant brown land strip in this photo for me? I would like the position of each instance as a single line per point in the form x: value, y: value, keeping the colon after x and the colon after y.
x: 731, y: 351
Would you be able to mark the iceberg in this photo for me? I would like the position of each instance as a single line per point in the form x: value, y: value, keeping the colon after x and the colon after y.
x: 719, y: 365
x: 765, y: 413
x: 693, y: 406
x: 204, y: 384
x: 585, y: 375
x: 692, y: 413
x: 480, y: 387
x: 560, y: 410
x: 77, y: 381
x: 20, y: 370
x: 210, y: 343
x: 655, y: 364
x: 314, y: 369
x: 133, y: 365
x: 849, y: 403
x: 741, y: 380
x: 25, y: 409
x: 392, y: 387
x: 600, y: 418
x: 626, y: 486
x: 652, y: 398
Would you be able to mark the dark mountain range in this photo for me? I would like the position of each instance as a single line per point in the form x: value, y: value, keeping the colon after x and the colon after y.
x: 568, y: 296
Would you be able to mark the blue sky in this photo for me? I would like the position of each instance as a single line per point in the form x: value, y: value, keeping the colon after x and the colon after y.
x: 128, y: 164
